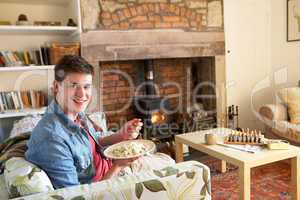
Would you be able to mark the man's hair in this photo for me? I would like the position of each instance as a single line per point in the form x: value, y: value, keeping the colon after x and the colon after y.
x: 72, y: 64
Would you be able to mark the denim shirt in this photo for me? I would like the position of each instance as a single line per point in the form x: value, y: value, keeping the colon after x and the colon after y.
x: 62, y: 149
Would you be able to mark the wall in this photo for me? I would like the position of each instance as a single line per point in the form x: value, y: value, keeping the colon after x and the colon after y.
x: 195, y: 15
x: 247, y: 39
x: 284, y: 55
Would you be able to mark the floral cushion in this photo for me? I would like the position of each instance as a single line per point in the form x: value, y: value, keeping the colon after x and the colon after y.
x: 186, y: 180
x: 25, y: 125
x: 291, y: 96
x: 99, y: 119
x: 3, y: 190
x: 24, y: 178
x: 152, y: 161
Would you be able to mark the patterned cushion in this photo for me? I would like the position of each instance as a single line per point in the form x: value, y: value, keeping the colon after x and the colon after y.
x: 291, y: 96
x: 99, y: 120
x: 24, y: 178
x: 3, y: 190
x: 185, y: 180
x: 25, y: 125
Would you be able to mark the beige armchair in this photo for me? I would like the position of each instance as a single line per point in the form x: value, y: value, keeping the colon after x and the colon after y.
x: 277, y: 125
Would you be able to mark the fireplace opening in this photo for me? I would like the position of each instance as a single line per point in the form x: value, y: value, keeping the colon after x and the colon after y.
x: 151, y: 107
x: 203, y: 110
x: 176, y: 91
x: 171, y: 96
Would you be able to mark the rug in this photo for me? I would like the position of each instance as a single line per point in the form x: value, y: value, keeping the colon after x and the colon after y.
x: 268, y: 182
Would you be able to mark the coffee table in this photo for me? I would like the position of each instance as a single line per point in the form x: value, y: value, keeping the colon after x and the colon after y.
x: 244, y: 160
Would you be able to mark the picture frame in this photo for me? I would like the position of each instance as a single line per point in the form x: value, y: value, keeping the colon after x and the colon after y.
x: 293, y: 20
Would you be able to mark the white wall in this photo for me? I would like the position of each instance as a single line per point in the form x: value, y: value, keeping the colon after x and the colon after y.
x: 284, y: 55
x: 247, y: 34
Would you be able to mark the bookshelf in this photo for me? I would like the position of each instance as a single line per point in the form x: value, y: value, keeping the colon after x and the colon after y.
x: 23, y: 38
x: 58, y: 2
x: 26, y: 68
x: 21, y: 113
x: 66, y: 30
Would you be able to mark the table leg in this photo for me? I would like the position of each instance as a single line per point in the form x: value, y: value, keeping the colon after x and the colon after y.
x: 223, y: 166
x: 245, y: 182
x: 178, y: 151
x: 295, y: 177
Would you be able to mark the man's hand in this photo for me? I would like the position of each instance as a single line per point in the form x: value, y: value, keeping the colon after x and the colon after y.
x: 117, y: 166
x: 131, y: 129
x: 121, y: 163
x: 128, y: 132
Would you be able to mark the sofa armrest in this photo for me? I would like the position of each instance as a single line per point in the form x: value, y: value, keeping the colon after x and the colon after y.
x: 180, y: 181
x: 274, y: 112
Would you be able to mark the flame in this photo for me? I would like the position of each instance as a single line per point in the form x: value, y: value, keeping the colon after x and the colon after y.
x: 157, y: 117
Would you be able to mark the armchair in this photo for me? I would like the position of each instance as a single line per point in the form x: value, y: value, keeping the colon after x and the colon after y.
x: 277, y: 123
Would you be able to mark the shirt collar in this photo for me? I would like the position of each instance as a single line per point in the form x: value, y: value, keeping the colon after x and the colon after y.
x: 54, y: 108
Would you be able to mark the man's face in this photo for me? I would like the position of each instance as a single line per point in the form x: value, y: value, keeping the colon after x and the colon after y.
x: 73, y: 94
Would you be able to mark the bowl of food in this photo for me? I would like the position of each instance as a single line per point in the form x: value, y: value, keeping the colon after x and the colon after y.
x: 129, y: 149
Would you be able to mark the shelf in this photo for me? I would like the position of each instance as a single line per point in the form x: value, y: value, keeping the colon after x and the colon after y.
x: 26, y: 68
x: 53, y: 2
x: 20, y: 113
x: 39, y: 29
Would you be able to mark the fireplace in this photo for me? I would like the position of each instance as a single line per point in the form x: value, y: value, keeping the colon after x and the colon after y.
x: 182, y: 39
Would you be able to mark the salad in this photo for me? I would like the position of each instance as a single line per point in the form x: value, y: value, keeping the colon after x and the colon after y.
x: 129, y: 150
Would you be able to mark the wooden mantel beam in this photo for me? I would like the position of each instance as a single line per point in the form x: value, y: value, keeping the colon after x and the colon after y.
x: 146, y: 44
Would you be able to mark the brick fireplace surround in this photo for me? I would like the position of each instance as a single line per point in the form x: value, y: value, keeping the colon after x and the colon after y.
x: 174, y: 33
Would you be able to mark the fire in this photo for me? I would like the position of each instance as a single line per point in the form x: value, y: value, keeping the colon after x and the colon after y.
x: 158, y: 117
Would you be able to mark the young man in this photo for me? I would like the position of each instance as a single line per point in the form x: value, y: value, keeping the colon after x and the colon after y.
x: 65, y: 143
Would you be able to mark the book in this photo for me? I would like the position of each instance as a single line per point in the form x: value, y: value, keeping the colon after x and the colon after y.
x: 1, y: 104
x: 5, y: 105
x: 26, y: 57
x: 2, y: 60
x: 44, y: 55
x: 20, y: 100
x: 9, y: 100
x: 6, y: 59
x: 41, y: 56
x: 33, y: 98
x: 14, y: 100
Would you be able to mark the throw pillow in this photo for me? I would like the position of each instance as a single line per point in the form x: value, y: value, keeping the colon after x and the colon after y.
x: 25, y: 125
x: 24, y: 178
x: 291, y: 96
x: 99, y: 119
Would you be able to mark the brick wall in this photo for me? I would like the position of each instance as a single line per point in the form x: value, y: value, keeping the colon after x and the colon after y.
x: 190, y: 15
x: 119, y: 82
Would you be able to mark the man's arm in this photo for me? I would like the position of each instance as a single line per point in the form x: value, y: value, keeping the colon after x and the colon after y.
x: 53, y: 156
x: 128, y: 132
x: 117, y: 166
x: 110, y: 139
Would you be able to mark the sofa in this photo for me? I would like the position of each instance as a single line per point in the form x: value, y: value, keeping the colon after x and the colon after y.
x: 281, y: 119
x: 186, y: 180
x: 21, y: 179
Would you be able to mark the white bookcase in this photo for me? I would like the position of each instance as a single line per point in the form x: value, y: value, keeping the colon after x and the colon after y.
x: 16, y: 38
